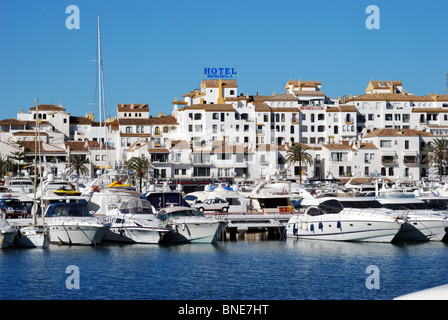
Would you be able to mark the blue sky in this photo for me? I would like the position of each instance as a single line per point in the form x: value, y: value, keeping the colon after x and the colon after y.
x: 154, y: 51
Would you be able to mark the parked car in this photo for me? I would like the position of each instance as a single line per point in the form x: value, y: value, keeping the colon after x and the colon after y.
x: 212, y: 204
x: 12, y: 208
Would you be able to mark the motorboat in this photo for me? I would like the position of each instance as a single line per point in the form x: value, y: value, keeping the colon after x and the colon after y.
x: 331, y: 221
x: 17, y: 185
x: 190, y: 225
x: 72, y: 223
x: 427, y: 217
x: 268, y: 201
x: 134, y: 222
x: 7, y: 234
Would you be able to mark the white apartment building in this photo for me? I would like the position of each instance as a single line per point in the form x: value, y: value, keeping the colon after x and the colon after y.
x: 216, y: 132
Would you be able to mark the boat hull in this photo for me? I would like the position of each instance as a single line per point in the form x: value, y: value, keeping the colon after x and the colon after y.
x: 7, y: 238
x: 133, y: 234
x: 343, y: 230
x: 76, y: 233
x: 195, y: 231
x: 430, y: 228
x: 30, y: 237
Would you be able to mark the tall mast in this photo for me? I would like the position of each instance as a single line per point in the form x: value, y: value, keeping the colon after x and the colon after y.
x: 100, y: 92
x: 35, y: 165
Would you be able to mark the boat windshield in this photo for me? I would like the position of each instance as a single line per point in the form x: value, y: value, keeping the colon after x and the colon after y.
x: 436, y: 204
x: 68, y: 210
x: 331, y: 206
x: 164, y: 215
x: 136, y: 206
x: 405, y: 206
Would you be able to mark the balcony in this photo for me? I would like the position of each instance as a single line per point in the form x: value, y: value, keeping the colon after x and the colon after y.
x: 388, y: 160
x: 411, y: 161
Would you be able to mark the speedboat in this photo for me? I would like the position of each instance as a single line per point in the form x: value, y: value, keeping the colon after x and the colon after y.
x: 7, y: 234
x: 427, y: 218
x: 331, y: 221
x: 72, y: 223
x: 191, y: 225
x: 134, y: 222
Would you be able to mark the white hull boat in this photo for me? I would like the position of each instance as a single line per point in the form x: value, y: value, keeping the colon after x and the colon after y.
x: 330, y: 222
x: 134, y: 222
x: 32, y: 237
x: 71, y: 223
x: 190, y: 225
x: 427, y: 218
x: 7, y: 234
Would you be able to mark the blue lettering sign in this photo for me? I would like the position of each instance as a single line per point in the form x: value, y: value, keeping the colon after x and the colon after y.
x: 219, y: 73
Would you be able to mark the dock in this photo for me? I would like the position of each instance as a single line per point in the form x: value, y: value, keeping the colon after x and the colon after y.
x: 253, y: 225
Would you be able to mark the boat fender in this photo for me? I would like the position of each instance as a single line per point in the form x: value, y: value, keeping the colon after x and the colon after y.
x: 294, y: 229
x: 121, y: 233
x: 183, y: 226
x: 312, y: 227
x: 338, y: 225
x: 321, y: 226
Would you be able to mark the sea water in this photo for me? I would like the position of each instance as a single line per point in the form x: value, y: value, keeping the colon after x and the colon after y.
x: 237, y: 270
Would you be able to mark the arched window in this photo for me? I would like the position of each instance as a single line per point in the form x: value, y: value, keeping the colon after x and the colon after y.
x: 283, y: 117
x: 277, y: 117
x: 291, y: 130
x: 422, y: 118
x: 232, y: 92
x: 128, y: 129
x: 157, y: 131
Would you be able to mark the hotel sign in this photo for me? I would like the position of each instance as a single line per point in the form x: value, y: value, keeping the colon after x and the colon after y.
x: 219, y: 73
x: 311, y: 108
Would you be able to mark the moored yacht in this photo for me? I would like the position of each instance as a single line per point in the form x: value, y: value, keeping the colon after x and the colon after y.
x: 331, y: 221
x: 190, y: 225
x: 72, y: 223
x: 134, y: 222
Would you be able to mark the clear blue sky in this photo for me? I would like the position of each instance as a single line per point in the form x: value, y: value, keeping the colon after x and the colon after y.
x: 154, y: 51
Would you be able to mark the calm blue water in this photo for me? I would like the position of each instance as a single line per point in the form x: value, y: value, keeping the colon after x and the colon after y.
x: 241, y: 270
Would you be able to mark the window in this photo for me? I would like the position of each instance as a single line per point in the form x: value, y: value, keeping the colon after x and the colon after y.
x: 339, y: 156
x: 190, y: 128
x: 157, y: 130
x: 320, y: 116
x: 215, y: 128
x: 291, y: 130
x: 215, y: 116
x: 197, y: 116
x: 388, y: 117
x: 406, y: 144
x: 370, y: 117
x: 386, y: 143
x: 128, y: 129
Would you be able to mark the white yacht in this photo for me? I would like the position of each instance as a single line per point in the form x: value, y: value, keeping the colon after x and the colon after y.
x: 427, y: 217
x: 190, y: 225
x: 331, y: 221
x: 72, y: 223
x: 268, y: 200
x: 20, y: 185
x: 134, y: 222
x: 7, y: 234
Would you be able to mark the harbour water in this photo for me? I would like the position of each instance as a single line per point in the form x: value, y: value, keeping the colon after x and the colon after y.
x: 235, y: 270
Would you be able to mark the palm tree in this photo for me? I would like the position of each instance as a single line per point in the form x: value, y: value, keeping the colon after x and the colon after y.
x: 140, y: 166
x: 298, y: 153
x: 77, y: 163
x: 437, y: 153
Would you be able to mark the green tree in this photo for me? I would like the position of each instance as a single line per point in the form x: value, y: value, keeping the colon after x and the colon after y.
x: 298, y: 153
x: 437, y: 153
x: 140, y: 166
x: 77, y: 163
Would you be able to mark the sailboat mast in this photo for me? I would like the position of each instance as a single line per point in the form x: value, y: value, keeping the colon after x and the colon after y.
x: 35, y: 165
x: 100, y: 93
